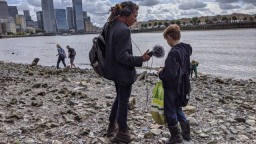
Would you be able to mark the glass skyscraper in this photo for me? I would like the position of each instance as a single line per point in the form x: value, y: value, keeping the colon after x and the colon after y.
x: 78, y: 16
x: 13, y: 11
x: 27, y: 15
x: 48, y: 16
x: 85, y: 16
x: 4, y: 12
x: 61, y: 20
x: 70, y: 17
x: 40, y: 20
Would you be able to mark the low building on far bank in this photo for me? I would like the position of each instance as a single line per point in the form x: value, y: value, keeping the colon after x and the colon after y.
x: 89, y: 28
x: 20, y: 23
x: 30, y: 29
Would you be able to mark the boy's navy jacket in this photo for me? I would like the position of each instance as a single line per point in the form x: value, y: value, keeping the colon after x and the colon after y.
x: 119, y: 60
x: 178, y: 56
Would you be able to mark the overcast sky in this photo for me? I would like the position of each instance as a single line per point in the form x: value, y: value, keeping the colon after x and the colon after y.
x: 149, y: 9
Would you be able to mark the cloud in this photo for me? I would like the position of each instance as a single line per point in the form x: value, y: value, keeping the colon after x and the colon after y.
x: 192, y: 5
x: 227, y: 6
x: 190, y: 13
x: 36, y: 3
x: 250, y: 2
x: 227, y: 1
x: 149, y: 2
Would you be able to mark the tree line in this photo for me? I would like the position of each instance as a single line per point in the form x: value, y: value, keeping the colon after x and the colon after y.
x: 196, y: 20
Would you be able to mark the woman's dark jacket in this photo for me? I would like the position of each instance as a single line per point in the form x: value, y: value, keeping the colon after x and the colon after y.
x: 119, y: 60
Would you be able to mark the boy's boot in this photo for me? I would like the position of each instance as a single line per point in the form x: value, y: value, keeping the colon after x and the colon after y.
x: 176, y: 137
x: 112, y: 129
x: 124, y: 136
x: 185, y: 127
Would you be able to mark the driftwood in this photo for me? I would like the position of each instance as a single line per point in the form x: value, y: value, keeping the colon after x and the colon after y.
x: 141, y: 76
x: 34, y: 63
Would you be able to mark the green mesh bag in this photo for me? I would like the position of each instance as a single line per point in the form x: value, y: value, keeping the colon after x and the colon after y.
x: 157, y: 107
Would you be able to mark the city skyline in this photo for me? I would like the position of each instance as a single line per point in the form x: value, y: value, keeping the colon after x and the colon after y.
x: 149, y: 9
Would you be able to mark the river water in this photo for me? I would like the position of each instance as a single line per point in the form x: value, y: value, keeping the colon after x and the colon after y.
x: 228, y: 53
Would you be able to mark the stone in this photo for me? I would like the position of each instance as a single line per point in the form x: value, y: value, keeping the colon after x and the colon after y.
x: 56, y: 142
x: 220, y: 81
x: 72, y: 102
x: 166, y: 134
x: 29, y: 141
x: 38, y: 85
x: 109, y: 96
x: 203, y: 135
x: 37, y: 103
x: 229, y: 97
x: 213, y: 122
x: 189, y: 109
x: 149, y: 135
x: 242, y: 137
x: 66, y: 69
x: 42, y: 93
x: 250, y: 122
x: 45, y: 85
x: 192, y: 121
x: 132, y: 103
x: 83, y: 84
x: 34, y: 63
x: 156, y: 131
x: 240, y: 119
x: 79, y: 89
x: 64, y: 91
x: 199, y: 99
x: 239, y: 127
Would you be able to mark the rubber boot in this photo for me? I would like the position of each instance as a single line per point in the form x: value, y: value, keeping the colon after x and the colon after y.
x: 176, y: 137
x: 112, y: 129
x: 124, y: 136
x: 185, y: 127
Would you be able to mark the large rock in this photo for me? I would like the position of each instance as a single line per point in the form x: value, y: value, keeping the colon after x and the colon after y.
x: 141, y: 76
x: 156, y: 131
x: 132, y: 103
x: 66, y: 69
x: 35, y: 61
x: 189, y: 109
x: 240, y: 119
x: 37, y: 103
x: 192, y: 121
x: 250, y: 122
x: 149, y: 135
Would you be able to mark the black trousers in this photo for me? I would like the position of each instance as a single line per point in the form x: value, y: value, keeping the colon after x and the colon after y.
x: 120, y: 106
x: 61, y: 58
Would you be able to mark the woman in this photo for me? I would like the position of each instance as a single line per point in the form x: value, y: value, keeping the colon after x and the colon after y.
x: 61, y: 56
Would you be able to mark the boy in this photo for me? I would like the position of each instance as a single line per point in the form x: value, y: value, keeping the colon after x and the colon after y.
x: 193, y: 67
x: 170, y: 75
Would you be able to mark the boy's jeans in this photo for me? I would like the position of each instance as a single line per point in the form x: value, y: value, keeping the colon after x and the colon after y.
x: 172, y: 113
x: 120, y: 106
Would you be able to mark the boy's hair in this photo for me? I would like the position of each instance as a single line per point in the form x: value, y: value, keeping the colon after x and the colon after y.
x: 193, y: 61
x: 172, y: 31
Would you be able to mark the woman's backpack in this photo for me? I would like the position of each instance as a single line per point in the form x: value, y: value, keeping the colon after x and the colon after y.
x: 97, y: 54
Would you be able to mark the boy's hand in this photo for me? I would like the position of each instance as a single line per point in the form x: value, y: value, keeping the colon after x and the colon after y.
x: 145, y: 56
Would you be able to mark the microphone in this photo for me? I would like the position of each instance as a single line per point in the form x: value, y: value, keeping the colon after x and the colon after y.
x: 158, y: 51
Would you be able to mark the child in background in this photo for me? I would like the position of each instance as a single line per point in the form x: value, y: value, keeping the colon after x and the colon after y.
x: 193, y: 67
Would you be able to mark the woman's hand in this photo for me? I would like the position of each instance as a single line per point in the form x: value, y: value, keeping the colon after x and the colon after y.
x: 161, y: 68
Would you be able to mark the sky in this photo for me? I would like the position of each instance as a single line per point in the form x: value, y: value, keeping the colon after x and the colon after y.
x: 149, y: 9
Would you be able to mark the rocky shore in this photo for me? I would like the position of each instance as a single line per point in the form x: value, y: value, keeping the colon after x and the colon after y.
x: 42, y: 105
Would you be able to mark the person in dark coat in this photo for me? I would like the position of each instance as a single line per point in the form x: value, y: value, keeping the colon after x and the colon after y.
x: 170, y: 75
x: 120, y: 65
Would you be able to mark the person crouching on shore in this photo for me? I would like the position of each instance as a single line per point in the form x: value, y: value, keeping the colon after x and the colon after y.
x: 177, y: 58
x: 193, y: 67
x: 61, y: 56
x: 120, y: 65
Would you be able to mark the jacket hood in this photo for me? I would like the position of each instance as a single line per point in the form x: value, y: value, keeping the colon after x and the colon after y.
x: 185, y: 48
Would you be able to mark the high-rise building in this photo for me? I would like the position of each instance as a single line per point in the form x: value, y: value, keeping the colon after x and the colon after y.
x: 61, y: 20
x: 20, y: 23
x: 89, y: 19
x: 4, y: 12
x: 27, y: 15
x: 40, y: 20
x: 70, y: 17
x: 48, y: 16
x: 78, y: 16
x: 85, y: 16
x: 13, y: 11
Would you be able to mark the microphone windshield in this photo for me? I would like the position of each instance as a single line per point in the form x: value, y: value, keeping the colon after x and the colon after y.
x: 158, y: 51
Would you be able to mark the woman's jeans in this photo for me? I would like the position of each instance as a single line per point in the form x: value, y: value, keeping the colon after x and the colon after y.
x: 120, y: 106
x: 172, y: 113
x: 61, y: 58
